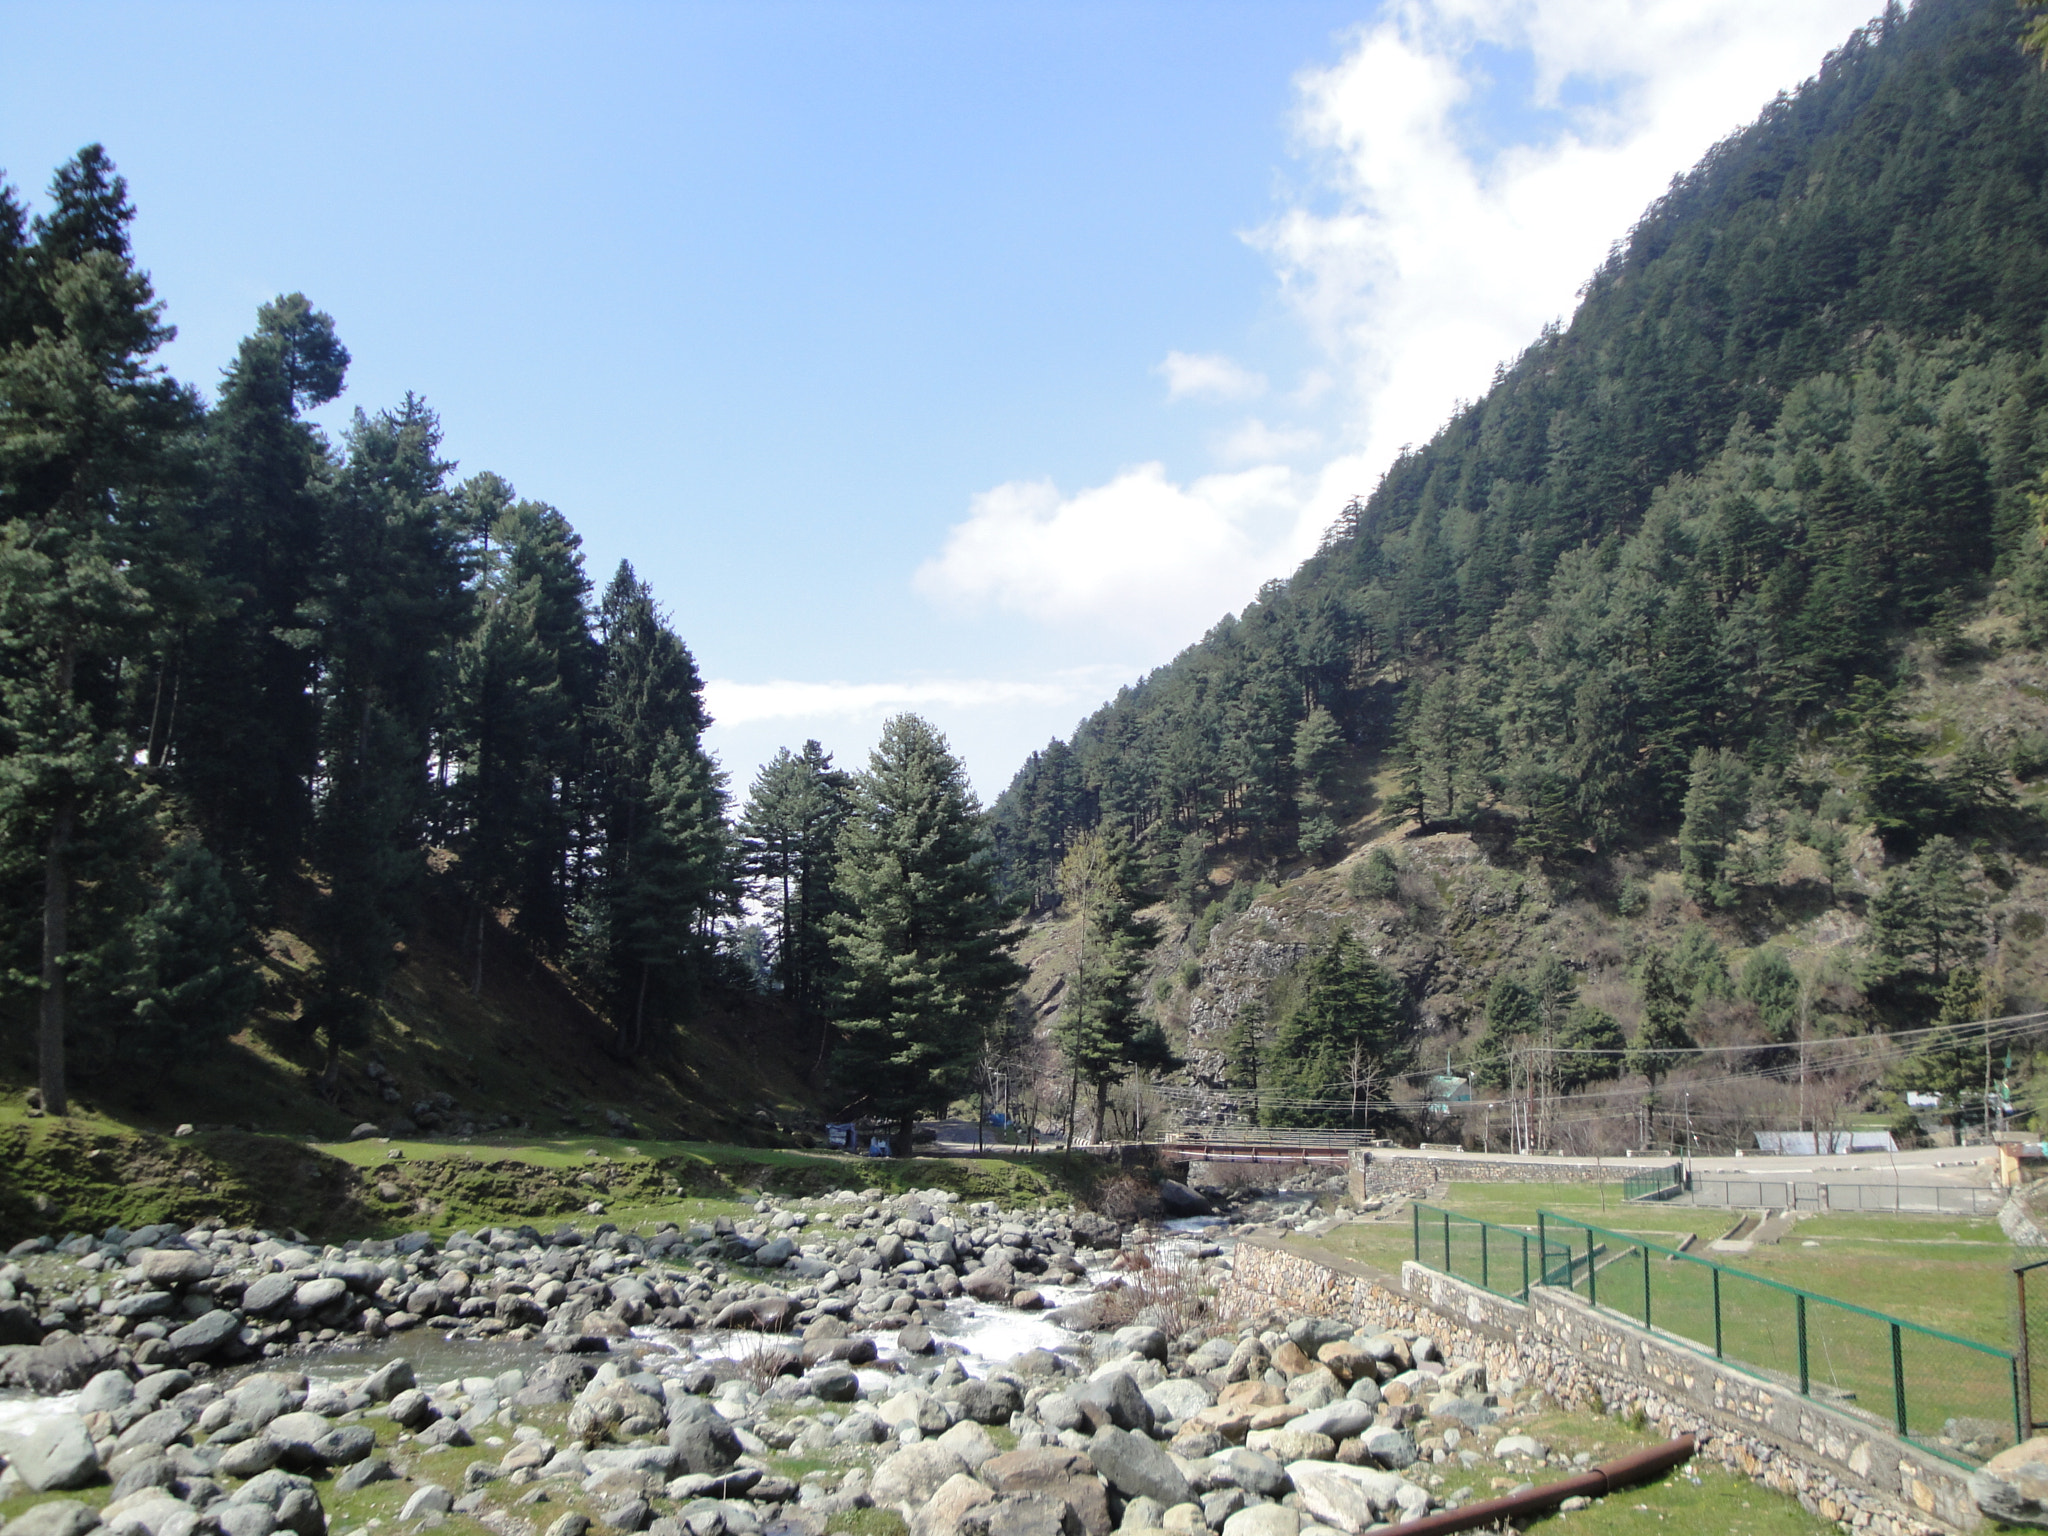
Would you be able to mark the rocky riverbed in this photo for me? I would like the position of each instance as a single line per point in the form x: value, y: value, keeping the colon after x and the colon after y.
x: 969, y: 1368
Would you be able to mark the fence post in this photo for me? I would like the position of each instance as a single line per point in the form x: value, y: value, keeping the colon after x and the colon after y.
x: 1898, y: 1380
x: 1717, y: 1312
x: 1542, y: 1250
x: 1447, y: 1243
x: 2020, y: 1425
x: 1415, y: 1221
x: 1799, y: 1309
x: 1525, y: 1267
x: 2022, y: 1360
x: 1592, y: 1280
x: 1646, y: 1286
x: 1484, y: 1228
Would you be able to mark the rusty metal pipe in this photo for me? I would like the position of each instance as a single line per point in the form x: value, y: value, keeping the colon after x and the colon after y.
x: 1595, y: 1482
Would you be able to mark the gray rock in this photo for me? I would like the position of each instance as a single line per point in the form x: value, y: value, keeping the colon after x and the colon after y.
x: 170, y: 1267
x: 833, y: 1384
x: 1136, y: 1464
x: 571, y: 1524
x: 428, y: 1499
x: 1251, y: 1471
x: 59, y: 1454
x: 390, y: 1379
x: 703, y: 1442
x: 1391, y: 1448
x: 1117, y: 1395
x: 989, y: 1402
x: 149, y: 1472
x: 914, y: 1474
x: 201, y: 1337
x: 236, y: 1519
x: 267, y: 1294
x: 1179, y: 1200
x: 106, y: 1392
x: 375, y: 1469
x: 344, y: 1445
x: 1263, y: 1520
x: 1139, y: 1340
x: 1519, y: 1445
x: 1468, y: 1411
x: 252, y: 1456
x: 1180, y: 1398
x: 315, y: 1294
x: 57, y: 1517
x: 444, y: 1432
x: 1339, y: 1420
x: 632, y: 1515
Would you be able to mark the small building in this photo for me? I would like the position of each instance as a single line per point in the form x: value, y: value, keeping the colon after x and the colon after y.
x: 1446, y: 1090
x: 2020, y: 1162
x: 1818, y: 1143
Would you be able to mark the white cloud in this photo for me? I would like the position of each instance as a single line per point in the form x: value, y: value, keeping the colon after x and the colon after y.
x: 737, y: 704
x: 1139, y: 556
x: 1416, y: 264
x: 1191, y: 373
x: 1424, y: 265
x: 1252, y: 441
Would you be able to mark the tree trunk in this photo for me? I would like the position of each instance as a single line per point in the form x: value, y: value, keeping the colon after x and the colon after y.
x: 901, y: 1143
x: 56, y: 919
x: 639, y: 1015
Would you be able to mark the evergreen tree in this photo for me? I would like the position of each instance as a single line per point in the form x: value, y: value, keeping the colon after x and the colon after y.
x: 390, y: 605
x: 1661, y: 1039
x: 1926, y: 919
x: 1244, y: 1050
x: 1512, y: 1016
x: 198, y: 980
x: 1340, y: 1044
x: 1318, y: 748
x: 1952, y: 1061
x: 1769, y: 986
x: 643, y: 928
x: 235, y: 710
x: 89, y: 432
x: 1591, y: 1049
x: 788, y: 834
x: 920, y: 934
x: 1102, y: 1029
x: 1716, y: 801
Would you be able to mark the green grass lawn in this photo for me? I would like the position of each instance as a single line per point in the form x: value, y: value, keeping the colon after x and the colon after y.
x: 1947, y: 1273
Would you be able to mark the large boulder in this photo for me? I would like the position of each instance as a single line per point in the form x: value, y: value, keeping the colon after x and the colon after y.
x: 2012, y: 1486
x: 1179, y: 1200
x: 991, y: 1282
x: 1138, y: 1466
x: 63, y: 1362
x: 914, y: 1474
x: 1116, y: 1395
x: 56, y: 1517
x: 202, y: 1336
x: 171, y: 1267
x: 703, y: 1441
x: 58, y: 1454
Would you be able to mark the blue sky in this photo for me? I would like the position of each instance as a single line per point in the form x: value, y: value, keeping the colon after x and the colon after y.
x: 965, y: 357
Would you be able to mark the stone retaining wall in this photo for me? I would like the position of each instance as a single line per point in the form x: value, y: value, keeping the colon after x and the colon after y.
x: 1381, y: 1171
x: 1838, y: 1466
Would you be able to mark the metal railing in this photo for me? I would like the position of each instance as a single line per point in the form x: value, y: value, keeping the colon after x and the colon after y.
x: 1812, y: 1195
x: 1956, y: 1397
x: 1657, y: 1183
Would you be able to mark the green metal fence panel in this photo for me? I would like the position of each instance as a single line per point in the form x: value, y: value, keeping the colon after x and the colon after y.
x: 1652, y: 1183
x: 1953, y: 1396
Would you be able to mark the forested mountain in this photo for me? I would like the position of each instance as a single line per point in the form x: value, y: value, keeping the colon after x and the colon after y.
x: 1712, y: 633
x: 1798, y: 417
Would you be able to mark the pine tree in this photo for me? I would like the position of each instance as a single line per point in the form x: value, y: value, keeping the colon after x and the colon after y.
x: 234, y: 709
x: 1341, y: 1042
x: 1769, y: 986
x: 1591, y: 1049
x: 1716, y: 801
x: 1661, y: 1039
x: 1318, y: 748
x: 921, y: 935
x: 88, y: 450
x: 1926, y: 919
x: 788, y: 835
x: 1511, y: 1017
x: 1102, y: 1030
x: 199, y: 980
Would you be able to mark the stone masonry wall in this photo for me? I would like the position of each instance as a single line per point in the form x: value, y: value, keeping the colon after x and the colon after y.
x: 1384, y: 1171
x: 1838, y: 1466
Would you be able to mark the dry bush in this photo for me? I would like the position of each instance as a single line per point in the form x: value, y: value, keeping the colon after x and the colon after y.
x: 1126, y: 1198
x: 1166, y: 1288
x: 761, y: 1360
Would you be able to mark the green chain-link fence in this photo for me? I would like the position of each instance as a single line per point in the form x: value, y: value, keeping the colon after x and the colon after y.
x: 1953, y: 1396
x: 1657, y: 1183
